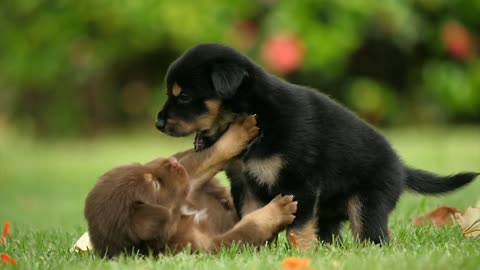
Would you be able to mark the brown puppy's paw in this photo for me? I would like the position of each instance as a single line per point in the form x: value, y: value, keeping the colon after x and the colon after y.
x: 275, y: 215
x: 286, y: 207
x: 249, y: 125
x: 245, y: 129
x: 238, y: 135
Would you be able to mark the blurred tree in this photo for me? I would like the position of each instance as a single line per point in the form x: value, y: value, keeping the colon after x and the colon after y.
x: 75, y: 67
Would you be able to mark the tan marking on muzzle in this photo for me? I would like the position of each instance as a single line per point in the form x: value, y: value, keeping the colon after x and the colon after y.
x: 171, y: 121
x: 180, y: 125
x: 213, y: 120
x: 207, y: 121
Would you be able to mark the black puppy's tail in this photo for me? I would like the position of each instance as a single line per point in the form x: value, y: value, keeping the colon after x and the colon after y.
x: 428, y: 183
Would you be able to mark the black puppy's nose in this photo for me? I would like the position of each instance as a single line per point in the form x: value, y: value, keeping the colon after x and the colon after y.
x: 161, y: 124
x: 161, y: 121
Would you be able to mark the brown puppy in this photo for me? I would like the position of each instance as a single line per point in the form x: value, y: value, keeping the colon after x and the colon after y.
x: 167, y: 205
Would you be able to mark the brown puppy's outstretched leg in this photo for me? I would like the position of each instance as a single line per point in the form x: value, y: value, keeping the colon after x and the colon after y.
x: 259, y: 226
x: 205, y: 164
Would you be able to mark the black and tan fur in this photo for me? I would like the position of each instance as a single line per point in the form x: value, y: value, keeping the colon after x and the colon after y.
x: 338, y: 167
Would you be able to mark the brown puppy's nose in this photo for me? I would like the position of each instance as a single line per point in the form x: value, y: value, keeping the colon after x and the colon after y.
x: 161, y: 121
x: 173, y: 162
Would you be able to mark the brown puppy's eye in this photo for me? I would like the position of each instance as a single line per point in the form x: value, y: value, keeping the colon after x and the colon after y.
x: 184, y: 98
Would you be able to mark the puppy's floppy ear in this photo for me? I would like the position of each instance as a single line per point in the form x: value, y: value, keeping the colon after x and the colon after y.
x: 149, y: 221
x: 226, y: 79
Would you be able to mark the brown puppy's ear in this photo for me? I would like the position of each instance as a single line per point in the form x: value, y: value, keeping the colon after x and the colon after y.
x: 149, y: 221
x: 226, y: 79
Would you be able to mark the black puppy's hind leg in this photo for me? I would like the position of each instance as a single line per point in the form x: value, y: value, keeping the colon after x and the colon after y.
x: 329, y: 230
x: 368, y: 214
x: 354, y: 212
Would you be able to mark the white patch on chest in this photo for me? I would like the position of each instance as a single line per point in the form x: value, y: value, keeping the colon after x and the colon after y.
x: 198, y: 215
x: 265, y: 171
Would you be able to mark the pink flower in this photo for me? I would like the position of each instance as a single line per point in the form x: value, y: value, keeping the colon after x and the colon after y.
x: 283, y: 53
x: 457, y: 40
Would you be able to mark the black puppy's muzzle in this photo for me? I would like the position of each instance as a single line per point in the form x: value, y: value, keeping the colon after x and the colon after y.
x: 161, y: 123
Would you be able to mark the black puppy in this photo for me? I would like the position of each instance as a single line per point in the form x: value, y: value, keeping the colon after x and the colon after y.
x: 337, y: 166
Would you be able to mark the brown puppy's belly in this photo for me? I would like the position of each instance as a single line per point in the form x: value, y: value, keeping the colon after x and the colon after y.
x: 221, y: 214
x: 189, y: 233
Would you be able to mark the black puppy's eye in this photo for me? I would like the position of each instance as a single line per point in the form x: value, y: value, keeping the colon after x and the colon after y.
x: 184, y: 98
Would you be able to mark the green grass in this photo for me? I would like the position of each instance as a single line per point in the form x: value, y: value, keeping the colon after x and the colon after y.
x: 43, y: 186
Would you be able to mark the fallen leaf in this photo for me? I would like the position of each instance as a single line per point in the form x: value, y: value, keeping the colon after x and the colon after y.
x: 295, y: 263
x: 439, y: 216
x: 469, y: 221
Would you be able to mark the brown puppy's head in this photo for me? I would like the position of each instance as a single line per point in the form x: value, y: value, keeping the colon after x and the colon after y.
x: 133, y: 207
x: 200, y: 85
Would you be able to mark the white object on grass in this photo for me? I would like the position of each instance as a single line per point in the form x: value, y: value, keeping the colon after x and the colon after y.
x: 83, y: 244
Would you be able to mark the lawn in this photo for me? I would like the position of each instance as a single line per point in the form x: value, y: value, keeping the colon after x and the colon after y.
x: 43, y: 186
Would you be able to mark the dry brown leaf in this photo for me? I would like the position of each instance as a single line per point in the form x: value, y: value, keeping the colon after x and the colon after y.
x: 439, y: 216
x: 469, y: 221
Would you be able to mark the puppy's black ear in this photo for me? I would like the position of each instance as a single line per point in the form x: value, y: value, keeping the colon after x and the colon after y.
x: 226, y: 79
x: 149, y: 221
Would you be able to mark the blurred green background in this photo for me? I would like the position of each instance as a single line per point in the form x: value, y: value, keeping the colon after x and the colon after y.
x: 70, y: 68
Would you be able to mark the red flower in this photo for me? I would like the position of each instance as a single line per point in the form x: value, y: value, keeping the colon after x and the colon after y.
x: 8, y: 260
x: 6, y: 229
x: 293, y: 263
x: 283, y: 53
x: 4, y: 258
x: 457, y: 40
